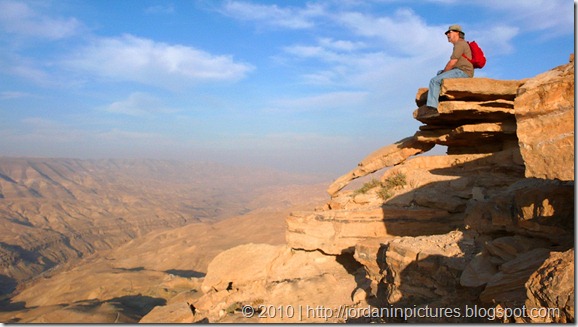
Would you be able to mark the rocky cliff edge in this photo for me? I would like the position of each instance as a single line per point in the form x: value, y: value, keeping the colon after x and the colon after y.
x: 484, y: 233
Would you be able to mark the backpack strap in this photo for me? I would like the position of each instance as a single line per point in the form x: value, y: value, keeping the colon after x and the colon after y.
x: 464, y: 55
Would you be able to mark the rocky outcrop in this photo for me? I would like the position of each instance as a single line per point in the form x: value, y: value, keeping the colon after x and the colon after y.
x: 261, y: 282
x: 546, y: 104
x: 423, y: 195
x: 469, y: 232
x: 509, y: 222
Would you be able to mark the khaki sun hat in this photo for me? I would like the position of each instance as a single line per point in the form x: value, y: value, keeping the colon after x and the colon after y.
x: 456, y: 28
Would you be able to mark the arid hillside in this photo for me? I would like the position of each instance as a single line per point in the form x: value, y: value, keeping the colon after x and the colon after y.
x: 125, y: 283
x: 56, y: 211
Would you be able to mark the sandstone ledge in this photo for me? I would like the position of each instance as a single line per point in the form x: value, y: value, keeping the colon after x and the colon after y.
x: 338, y: 231
x: 476, y: 89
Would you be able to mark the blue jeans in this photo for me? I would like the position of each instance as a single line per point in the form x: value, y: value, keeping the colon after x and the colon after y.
x: 435, y: 85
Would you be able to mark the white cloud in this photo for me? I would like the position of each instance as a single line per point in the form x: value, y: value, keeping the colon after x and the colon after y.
x: 498, y: 39
x: 19, y: 18
x: 139, y: 104
x: 130, y: 58
x: 273, y: 15
x: 367, y: 69
x: 556, y: 16
x: 404, y: 32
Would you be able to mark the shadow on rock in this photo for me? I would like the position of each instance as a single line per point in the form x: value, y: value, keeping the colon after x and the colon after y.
x: 185, y: 273
x: 136, y: 306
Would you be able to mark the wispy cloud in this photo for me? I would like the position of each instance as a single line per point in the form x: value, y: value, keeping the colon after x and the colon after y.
x: 139, y: 104
x: 342, y: 45
x: 536, y: 15
x: 362, y: 68
x: 130, y: 58
x: 6, y: 95
x: 273, y: 15
x: 497, y: 40
x: 19, y: 18
x: 404, y: 32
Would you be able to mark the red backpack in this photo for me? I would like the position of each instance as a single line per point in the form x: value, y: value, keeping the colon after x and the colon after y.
x: 478, y: 58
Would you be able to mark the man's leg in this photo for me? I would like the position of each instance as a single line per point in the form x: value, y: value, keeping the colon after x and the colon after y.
x: 435, y: 84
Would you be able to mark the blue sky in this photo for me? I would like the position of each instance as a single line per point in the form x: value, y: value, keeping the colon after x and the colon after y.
x: 306, y: 86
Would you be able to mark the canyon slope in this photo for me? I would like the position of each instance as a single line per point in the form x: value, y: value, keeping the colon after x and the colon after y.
x: 60, y: 215
x: 484, y: 233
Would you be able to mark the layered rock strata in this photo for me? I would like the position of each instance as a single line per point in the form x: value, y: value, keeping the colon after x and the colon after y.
x: 487, y: 227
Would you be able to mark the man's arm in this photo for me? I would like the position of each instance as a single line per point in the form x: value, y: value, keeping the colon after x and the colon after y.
x: 451, y: 64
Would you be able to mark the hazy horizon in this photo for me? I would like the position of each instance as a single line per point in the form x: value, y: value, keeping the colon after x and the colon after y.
x: 296, y: 86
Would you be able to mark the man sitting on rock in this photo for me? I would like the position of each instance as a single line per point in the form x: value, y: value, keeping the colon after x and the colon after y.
x: 457, y: 67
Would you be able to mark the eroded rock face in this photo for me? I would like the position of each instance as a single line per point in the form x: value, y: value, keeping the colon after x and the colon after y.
x: 539, y: 208
x: 545, y: 118
x: 552, y: 287
x: 431, y: 264
x: 280, y: 284
x: 336, y: 232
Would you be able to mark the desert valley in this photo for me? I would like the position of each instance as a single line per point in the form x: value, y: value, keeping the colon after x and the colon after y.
x: 94, y: 241
x: 488, y: 225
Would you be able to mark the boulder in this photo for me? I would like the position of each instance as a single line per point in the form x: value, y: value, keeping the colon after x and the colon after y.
x: 545, y: 116
x: 229, y: 269
x: 277, y: 284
